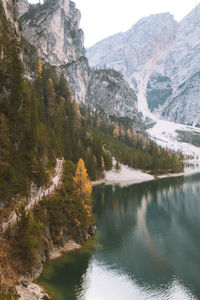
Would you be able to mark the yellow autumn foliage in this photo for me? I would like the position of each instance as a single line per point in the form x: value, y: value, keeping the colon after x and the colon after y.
x: 82, y: 185
x: 102, y: 163
x: 39, y: 69
x: 116, y: 131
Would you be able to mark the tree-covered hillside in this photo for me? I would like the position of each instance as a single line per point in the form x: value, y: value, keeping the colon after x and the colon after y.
x: 40, y: 121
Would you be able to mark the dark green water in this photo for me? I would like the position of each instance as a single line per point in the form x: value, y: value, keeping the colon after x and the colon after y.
x: 147, y: 246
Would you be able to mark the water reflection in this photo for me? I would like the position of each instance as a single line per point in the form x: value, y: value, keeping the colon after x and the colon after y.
x: 149, y: 241
x: 156, y: 229
x: 64, y: 278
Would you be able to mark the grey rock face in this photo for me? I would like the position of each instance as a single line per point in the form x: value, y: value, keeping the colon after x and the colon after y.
x: 157, y: 56
x: 184, y: 106
x: 159, y: 88
x: 11, y: 13
x: 23, y: 6
x: 181, y: 63
x: 53, y: 28
x: 78, y: 76
x: 108, y: 89
x: 107, y: 85
x: 129, y: 52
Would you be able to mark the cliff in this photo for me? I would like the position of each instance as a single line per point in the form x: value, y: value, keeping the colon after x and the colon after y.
x: 53, y: 29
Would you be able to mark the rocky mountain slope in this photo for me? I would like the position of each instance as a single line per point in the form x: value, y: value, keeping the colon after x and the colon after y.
x: 160, y: 58
x: 53, y: 28
x: 113, y: 92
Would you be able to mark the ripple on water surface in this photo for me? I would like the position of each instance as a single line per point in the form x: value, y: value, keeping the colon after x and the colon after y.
x: 147, y: 246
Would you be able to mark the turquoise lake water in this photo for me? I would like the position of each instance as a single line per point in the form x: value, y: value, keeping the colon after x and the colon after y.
x: 147, y: 246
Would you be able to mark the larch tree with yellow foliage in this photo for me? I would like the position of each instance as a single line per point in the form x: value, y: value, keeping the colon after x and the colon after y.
x: 39, y: 69
x: 82, y: 186
x: 102, y: 163
x: 116, y: 131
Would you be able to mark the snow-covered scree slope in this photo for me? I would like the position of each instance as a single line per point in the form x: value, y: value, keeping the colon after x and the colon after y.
x: 126, y: 176
x: 164, y: 134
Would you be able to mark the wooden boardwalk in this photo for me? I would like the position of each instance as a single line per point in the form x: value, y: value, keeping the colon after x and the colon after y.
x: 42, y: 192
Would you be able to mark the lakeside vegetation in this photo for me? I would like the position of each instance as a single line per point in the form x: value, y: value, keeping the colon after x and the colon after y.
x: 132, y: 148
x: 56, y: 219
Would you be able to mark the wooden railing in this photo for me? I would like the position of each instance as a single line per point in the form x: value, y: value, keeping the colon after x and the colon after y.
x: 42, y: 192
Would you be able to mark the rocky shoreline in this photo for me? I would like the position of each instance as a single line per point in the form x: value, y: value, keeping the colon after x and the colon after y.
x: 27, y: 289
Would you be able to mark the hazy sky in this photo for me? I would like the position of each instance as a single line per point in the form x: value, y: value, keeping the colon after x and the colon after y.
x: 101, y: 18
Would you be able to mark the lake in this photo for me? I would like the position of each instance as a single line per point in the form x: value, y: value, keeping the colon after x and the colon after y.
x: 147, y: 246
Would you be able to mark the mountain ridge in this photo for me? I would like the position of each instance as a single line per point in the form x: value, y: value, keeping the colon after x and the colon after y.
x: 173, y: 58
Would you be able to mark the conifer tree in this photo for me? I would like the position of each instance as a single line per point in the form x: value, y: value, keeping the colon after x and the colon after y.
x: 63, y: 89
x: 102, y: 163
x: 16, y: 77
x: 129, y: 134
x: 51, y: 97
x: 4, y: 138
x: 39, y: 69
x: 28, y: 233
x: 117, y: 166
x: 76, y: 116
x: 91, y: 163
x: 82, y: 185
x: 116, y: 131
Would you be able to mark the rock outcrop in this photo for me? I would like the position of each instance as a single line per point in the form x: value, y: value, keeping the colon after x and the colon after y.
x: 53, y: 28
x: 109, y: 90
x: 158, y: 89
x: 11, y: 13
x: 23, y: 6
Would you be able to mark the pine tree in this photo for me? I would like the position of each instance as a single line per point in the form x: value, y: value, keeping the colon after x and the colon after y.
x: 50, y: 97
x: 91, y: 163
x: 76, y: 116
x: 4, y: 138
x: 63, y: 89
x: 16, y: 77
x: 117, y: 166
x: 28, y: 233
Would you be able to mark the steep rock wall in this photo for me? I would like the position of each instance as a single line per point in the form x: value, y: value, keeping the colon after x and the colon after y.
x: 53, y: 29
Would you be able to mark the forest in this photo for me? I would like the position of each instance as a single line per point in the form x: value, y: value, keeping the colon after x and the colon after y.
x: 40, y: 121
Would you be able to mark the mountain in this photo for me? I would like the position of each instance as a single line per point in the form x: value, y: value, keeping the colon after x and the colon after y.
x: 53, y: 29
x: 160, y: 59
x: 181, y: 64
